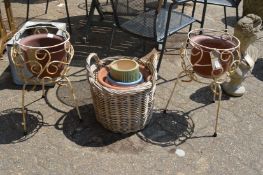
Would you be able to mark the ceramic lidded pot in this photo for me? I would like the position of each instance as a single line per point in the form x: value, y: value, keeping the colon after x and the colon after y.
x: 206, y: 48
x: 124, y: 70
x: 44, y: 53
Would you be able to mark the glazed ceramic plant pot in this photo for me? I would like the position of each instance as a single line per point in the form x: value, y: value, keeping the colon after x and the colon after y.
x: 44, y: 54
x: 120, y: 83
x: 103, y: 74
x: 124, y: 70
x: 203, y: 46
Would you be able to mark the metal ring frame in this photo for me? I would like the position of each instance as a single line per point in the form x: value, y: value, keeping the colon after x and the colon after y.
x: 39, y: 67
x: 189, y: 72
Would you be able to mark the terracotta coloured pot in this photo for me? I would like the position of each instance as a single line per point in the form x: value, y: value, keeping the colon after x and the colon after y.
x: 36, y: 48
x: 103, y: 73
x: 202, y: 63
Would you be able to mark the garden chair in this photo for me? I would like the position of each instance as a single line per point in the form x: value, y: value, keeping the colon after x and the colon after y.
x: 150, y: 19
x: 224, y: 3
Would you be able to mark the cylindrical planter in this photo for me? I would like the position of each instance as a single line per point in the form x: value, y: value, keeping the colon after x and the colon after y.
x: 124, y: 70
x: 44, y: 54
x: 212, y: 52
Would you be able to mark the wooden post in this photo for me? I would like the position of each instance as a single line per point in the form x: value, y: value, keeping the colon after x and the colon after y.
x: 10, y: 16
x: 4, y: 35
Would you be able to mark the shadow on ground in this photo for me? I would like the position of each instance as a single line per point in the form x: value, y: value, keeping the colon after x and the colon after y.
x: 172, y: 128
x: 88, y: 132
x: 11, y: 129
x: 258, y: 69
x: 205, y: 96
x: 6, y: 80
x: 82, y: 91
x: 169, y: 129
x: 96, y: 38
x: 231, y: 20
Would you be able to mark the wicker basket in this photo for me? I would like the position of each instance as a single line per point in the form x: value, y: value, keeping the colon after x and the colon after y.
x: 122, y: 111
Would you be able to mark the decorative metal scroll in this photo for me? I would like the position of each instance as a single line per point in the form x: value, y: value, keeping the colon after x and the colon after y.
x: 38, y: 61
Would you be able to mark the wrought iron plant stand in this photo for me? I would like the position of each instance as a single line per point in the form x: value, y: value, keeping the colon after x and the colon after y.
x: 210, y: 54
x: 43, y: 58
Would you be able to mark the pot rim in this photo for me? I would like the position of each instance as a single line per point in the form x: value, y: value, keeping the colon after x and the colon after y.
x: 124, y: 70
x: 196, y: 32
x: 64, y: 34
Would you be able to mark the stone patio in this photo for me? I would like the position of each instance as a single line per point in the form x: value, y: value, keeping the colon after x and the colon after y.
x: 58, y: 144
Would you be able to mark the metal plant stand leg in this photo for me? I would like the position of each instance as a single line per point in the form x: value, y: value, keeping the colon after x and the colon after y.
x: 217, y: 92
x: 23, y: 110
x: 170, y: 97
x: 73, y: 97
x: 43, y: 88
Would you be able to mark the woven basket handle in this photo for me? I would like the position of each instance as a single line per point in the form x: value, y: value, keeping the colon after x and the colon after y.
x: 88, y: 63
x: 151, y: 61
x: 154, y: 73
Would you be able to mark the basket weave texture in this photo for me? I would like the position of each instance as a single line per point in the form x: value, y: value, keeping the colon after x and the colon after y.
x: 122, y: 111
